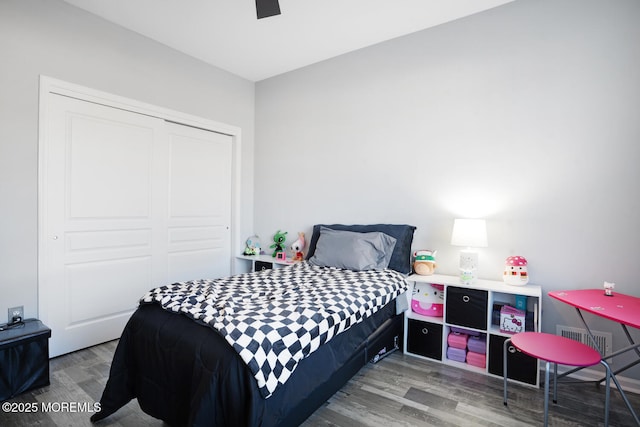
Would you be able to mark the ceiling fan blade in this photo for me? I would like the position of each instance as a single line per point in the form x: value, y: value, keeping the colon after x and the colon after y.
x: 266, y: 8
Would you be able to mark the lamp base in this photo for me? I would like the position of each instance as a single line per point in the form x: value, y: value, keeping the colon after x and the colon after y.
x: 468, y: 266
x: 468, y: 277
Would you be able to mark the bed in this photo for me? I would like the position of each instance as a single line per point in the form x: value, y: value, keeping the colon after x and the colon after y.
x: 265, y: 348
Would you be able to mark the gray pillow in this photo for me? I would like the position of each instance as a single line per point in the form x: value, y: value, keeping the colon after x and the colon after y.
x: 352, y: 250
x: 401, y: 258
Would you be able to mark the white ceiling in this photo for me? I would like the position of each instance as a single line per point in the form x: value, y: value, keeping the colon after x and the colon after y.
x: 227, y: 34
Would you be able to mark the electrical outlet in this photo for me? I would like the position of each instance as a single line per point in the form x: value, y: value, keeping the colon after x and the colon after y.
x: 16, y: 311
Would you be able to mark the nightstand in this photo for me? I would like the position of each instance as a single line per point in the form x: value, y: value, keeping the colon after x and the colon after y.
x: 264, y: 262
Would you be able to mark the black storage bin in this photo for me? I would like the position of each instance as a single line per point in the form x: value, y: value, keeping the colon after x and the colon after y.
x: 262, y: 265
x: 24, y: 358
x: 520, y: 366
x: 466, y: 307
x: 424, y: 338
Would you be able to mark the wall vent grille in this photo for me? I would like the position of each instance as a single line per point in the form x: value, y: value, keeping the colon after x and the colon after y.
x: 603, y: 339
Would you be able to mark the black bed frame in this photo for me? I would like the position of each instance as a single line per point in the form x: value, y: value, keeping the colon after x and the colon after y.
x: 385, y: 340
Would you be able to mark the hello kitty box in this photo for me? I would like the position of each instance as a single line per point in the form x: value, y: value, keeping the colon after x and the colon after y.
x: 512, y: 320
x: 428, y: 299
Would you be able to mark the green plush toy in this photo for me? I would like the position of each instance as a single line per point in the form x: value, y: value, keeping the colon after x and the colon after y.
x: 278, y: 239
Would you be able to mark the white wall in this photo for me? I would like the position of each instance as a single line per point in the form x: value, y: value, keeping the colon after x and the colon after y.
x: 49, y: 37
x: 527, y: 115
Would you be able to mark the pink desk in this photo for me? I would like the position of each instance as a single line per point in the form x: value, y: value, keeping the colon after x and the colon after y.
x: 620, y: 308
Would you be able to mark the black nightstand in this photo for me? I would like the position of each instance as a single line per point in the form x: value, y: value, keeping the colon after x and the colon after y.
x: 24, y: 358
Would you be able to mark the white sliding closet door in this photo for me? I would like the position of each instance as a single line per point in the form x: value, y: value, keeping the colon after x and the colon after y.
x: 129, y: 202
x: 199, y: 203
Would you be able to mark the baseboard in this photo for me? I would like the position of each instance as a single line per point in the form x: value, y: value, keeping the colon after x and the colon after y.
x: 587, y: 374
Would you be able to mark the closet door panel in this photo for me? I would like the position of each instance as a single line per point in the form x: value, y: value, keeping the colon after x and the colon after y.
x: 200, y: 173
x: 99, y: 214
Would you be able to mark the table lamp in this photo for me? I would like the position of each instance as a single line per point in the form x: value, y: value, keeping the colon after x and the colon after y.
x: 471, y: 233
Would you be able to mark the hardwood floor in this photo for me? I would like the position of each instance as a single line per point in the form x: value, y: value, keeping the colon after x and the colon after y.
x: 398, y: 391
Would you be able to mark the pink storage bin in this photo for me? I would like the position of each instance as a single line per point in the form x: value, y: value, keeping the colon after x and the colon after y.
x: 457, y: 354
x: 457, y: 340
x: 476, y: 359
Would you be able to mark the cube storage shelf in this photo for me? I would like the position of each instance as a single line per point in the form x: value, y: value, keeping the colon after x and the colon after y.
x: 472, y: 309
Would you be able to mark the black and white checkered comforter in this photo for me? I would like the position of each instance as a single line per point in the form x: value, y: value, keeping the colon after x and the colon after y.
x: 275, y: 318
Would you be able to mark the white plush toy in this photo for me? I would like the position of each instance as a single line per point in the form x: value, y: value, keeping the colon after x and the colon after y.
x: 515, y: 271
x: 297, y: 247
x: 608, y: 288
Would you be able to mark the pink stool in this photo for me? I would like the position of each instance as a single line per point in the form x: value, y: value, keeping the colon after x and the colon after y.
x: 557, y: 350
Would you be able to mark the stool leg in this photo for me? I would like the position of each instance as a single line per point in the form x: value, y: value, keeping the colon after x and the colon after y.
x: 504, y: 369
x: 546, y: 394
x: 555, y: 383
x: 624, y: 397
x: 607, y: 392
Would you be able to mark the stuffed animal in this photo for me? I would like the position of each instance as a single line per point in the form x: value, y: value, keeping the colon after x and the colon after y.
x: 424, y: 262
x: 278, y: 243
x: 515, y: 271
x: 427, y: 299
x: 297, y: 247
x: 252, y: 246
x: 608, y: 288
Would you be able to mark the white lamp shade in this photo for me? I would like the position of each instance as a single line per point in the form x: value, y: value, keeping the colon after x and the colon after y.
x: 471, y: 233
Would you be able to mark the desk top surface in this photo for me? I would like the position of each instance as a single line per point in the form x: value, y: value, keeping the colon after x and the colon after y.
x: 620, y: 308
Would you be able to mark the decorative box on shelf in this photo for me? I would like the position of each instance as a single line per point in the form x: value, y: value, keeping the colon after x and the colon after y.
x: 472, y: 310
x: 512, y: 320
